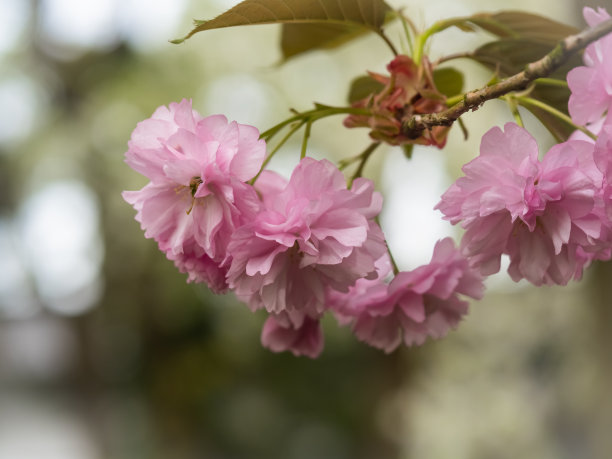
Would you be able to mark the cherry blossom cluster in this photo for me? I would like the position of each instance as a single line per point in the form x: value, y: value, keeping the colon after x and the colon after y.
x: 295, y: 248
x: 302, y: 247
x: 408, y: 90
x: 552, y: 217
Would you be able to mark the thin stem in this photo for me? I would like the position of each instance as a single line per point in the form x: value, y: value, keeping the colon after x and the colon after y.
x: 552, y: 82
x: 396, y: 270
x: 450, y: 101
x: 407, y: 21
x: 419, y: 45
x: 314, y: 114
x: 513, y: 106
x: 292, y: 131
x: 305, y: 139
x: 453, y: 56
x: 382, y: 35
x: 517, y: 116
x: 344, y: 163
x: 409, y: 29
x: 364, y: 156
x: 463, y: 129
x: 300, y: 119
x: 268, y: 134
x: 416, y: 124
x: 434, y: 29
x: 553, y: 111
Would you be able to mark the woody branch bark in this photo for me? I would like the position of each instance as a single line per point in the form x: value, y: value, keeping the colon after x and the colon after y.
x: 416, y: 124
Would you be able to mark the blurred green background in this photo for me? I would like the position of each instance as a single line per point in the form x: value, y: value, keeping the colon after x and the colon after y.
x: 106, y: 352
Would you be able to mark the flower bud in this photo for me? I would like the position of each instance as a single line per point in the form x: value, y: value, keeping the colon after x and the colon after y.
x: 408, y: 90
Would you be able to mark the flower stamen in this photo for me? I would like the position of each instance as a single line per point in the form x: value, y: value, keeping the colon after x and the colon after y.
x: 194, y: 184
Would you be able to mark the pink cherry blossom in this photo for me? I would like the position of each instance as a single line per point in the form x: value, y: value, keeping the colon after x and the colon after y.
x: 591, y: 85
x: 603, y: 150
x: 594, y: 127
x: 603, y: 159
x: 197, y: 195
x: 199, y: 267
x: 359, y: 297
x: 416, y: 304
x: 312, y: 234
x: 547, y: 216
x: 297, y: 333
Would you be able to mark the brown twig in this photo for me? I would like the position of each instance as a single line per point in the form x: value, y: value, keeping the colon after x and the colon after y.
x: 416, y: 124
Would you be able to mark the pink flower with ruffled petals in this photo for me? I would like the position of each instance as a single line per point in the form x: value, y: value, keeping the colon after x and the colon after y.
x: 416, y: 304
x: 547, y: 216
x: 197, y: 195
x: 603, y: 159
x: 595, y: 128
x: 366, y: 292
x: 312, y: 234
x: 297, y: 333
x: 591, y: 85
x: 199, y: 267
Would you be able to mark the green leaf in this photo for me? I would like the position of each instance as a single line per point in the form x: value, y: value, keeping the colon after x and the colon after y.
x: 300, y: 38
x: 368, y: 14
x: 556, y: 97
x: 510, y: 56
x: 362, y: 87
x: 407, y: 149
x: 525, y: 38
x: 515, y: 24
x: 518, y: 24
x: 448, y: 80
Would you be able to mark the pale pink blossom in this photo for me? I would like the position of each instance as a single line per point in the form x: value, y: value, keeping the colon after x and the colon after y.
x: 603, y: 159
x: 197, y: 195
x: 366, y: 292
x: 312, y: 234
x: 199, y: 267
x: 548, y: 215
x: 594, y: 128
x: 297, y: 333
x: 603, y: 151
x: 416, y: 304
x: 591, y: 85
x: 602, y: 155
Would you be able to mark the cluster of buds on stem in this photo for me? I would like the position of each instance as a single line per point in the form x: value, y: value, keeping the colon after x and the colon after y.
x: 409, y: 90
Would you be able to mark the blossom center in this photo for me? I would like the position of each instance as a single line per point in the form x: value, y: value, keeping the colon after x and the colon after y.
x: 294, y: 253
x: 194, y: 184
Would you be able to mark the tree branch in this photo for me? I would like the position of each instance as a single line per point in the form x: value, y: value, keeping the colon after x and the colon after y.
x: 416, y: 124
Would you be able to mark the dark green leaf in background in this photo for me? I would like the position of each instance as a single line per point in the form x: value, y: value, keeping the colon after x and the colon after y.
x: 526, y: 38
x: 362, y: 87
x: 510, y: 56
x: 300, y: 38
x: 448, y: 80
x: 518, y: 24
x: 368, y: 14
x: 515, y: 24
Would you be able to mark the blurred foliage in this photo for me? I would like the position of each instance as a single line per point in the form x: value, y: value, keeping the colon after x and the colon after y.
x: 165, y: 369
